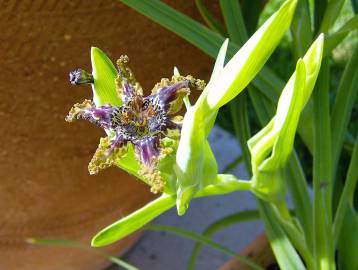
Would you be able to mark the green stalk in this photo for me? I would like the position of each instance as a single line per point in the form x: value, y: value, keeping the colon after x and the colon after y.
x: 347, y: 195
x: 322, y: 177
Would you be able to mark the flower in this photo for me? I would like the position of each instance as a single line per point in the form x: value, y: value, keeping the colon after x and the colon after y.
x: 142, y: 121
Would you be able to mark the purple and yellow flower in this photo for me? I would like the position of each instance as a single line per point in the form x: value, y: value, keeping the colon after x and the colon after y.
x: 143, y: 121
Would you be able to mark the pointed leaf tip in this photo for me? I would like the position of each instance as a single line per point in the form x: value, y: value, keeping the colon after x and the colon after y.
x: 251, y: 57
x: 104, y: 74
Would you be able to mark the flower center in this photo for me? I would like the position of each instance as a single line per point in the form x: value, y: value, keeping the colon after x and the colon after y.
x: 138, y: 118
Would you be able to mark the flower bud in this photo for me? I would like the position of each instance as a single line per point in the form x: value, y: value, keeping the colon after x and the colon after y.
x: 80, y: 76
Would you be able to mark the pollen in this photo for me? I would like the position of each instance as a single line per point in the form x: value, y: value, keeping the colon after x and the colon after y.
x: 149, y: 123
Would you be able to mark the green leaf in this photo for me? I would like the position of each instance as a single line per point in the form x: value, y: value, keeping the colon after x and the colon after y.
x: 208, y: 18
x: 238, y: 107
x: 347, y: 196
x: 332, y: 40
x: 247, y: 62
x: 129, y: 163
x: 277, y: 137
x: 355, y: 5
x: 348, y: 240
x: 209, y: 42
x: 202, y: 37
x: 331, y: 14
x: 204, y: 240
x: 220, y: 60
x: 285, y: 253
x: 133, y: 222
x: 219, y: 225
x: 343, y: 106
x: 297, y: 184
x: 286, y: 120
x: 345, y: 227
x: 301, y: 29
x: 224, y: 183
x: 234, y: 21
x: 104, y: 74
x: 322, y: 173
x: 104, y: 92
x: 75, y: 244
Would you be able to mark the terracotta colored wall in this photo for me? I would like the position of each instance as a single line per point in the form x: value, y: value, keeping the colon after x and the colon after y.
x: 45, y: 190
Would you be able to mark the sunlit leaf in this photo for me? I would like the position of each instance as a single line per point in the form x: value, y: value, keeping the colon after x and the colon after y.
x: 271, y: 147
x: 332, y: 40
x: 133, y: 222
x: 248, y: 61
x: 104, y: 74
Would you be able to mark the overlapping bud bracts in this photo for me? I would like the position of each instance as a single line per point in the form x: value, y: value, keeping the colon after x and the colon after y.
x: 142, y: 121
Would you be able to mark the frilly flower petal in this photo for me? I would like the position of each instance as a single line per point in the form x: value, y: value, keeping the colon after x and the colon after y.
x: 87, y: 110
x: 169, y: 94
x: 148, y: 152
x: 107, y: 153
x: 127, y: 85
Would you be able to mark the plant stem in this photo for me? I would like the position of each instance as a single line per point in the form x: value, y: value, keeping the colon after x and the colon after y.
x: 322, y: 177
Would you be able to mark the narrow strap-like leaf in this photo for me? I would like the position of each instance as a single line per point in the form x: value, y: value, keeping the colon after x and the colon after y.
x: 285, y: 253
x: 234, y: 21
x: 348, y: 193
x: 331, y: 14
x: 332, y: 40
x: 343, y: 105
x: 219, y: 225
x: 75, y: 244
x: 247, y: 62
x: 204, y: 240
x: 209, y: 18
x: 301, y: 29
x: 202, y: 37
